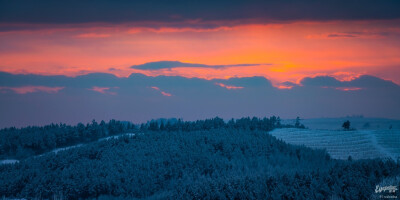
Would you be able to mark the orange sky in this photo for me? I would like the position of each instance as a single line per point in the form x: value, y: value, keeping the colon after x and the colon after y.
x: 286, y: 51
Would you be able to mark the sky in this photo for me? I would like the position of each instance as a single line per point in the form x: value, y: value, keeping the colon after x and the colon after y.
x: 285, y: 43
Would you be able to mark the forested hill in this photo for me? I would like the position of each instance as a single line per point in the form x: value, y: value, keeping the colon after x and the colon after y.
x: 207, y: 159
x: 25, y: 142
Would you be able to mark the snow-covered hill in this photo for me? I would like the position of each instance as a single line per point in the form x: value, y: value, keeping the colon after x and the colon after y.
x: 359, y: 144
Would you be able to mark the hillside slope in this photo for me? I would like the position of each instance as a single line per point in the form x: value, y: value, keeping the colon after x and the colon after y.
x: 359, y: 144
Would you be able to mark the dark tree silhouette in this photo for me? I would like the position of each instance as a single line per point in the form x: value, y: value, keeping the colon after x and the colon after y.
x: 297, y: 124
x: 346, y: 125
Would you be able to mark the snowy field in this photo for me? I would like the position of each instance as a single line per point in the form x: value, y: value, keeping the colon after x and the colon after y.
x: 359, y: 144
x: 359, y: 123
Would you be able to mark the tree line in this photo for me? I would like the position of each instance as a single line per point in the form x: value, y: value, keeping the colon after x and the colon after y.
x: 20, y: 143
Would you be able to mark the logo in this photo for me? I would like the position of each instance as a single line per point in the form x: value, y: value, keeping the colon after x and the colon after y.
x: 390, y: 189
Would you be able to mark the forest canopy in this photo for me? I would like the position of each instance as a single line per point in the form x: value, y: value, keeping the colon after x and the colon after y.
x: 206, y: 159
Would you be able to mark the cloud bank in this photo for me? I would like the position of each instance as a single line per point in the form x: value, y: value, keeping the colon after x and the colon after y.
x: 139, y: 98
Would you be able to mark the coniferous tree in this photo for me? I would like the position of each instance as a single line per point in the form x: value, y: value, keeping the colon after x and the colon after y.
x: 297, y: 123
x: 346, y: 125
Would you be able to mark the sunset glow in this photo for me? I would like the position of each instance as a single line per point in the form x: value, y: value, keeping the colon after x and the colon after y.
x: 282, y: 51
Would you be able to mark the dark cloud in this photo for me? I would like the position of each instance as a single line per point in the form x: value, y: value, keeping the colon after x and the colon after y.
x: 366, y: 34
x: 342, y: 35
x: 37, y: 100
x: 372, y: 81
x: 173, y: 64
x: 365, y: 81
x: 160, y: 11
x: 321, y: 81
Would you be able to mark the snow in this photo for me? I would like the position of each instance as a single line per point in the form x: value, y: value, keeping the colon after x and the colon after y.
x: 359, y: 144
x: 66, y: 148
x: 116, y: 136
x: 8, y: 161
x: 80, y: 145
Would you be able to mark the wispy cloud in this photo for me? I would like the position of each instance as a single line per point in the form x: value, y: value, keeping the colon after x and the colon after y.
x: 284, y: 87
x: 178, y: 29
x: 349, y: 35
x: 174, y: 64
x: 162, y: 92
x: 229, y: 87
x: 93, y: 35
x: 348, y: 88
x: 287, y: 85
x: 341, y: 35
x: 103, y: 90
x: 166, y: 94
x: 346, y: 76
x: 32, y: 89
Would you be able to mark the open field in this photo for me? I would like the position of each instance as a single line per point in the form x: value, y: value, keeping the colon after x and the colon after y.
x: 359, y: 144
x: 359, y: 123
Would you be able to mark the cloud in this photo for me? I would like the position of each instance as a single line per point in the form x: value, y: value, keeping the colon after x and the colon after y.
x: 166, y: 94
x: 162, y: 92
x: 229, y: 87
x: 178, y: 29
x: 341, y: 35
x: 348, y: 88
x: 67, y: 12
x: 156, y: 88
x: 351, y: 35
x: 31, y: 89
x: 364, y: 81
x: 103, y: 90
x: 321, y: 81
x: 173, y: 64
x: 368, y: 81
x: 248, y: 82
x: 93, y: 35
x: 286, y: 85
x: 142, y: 97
